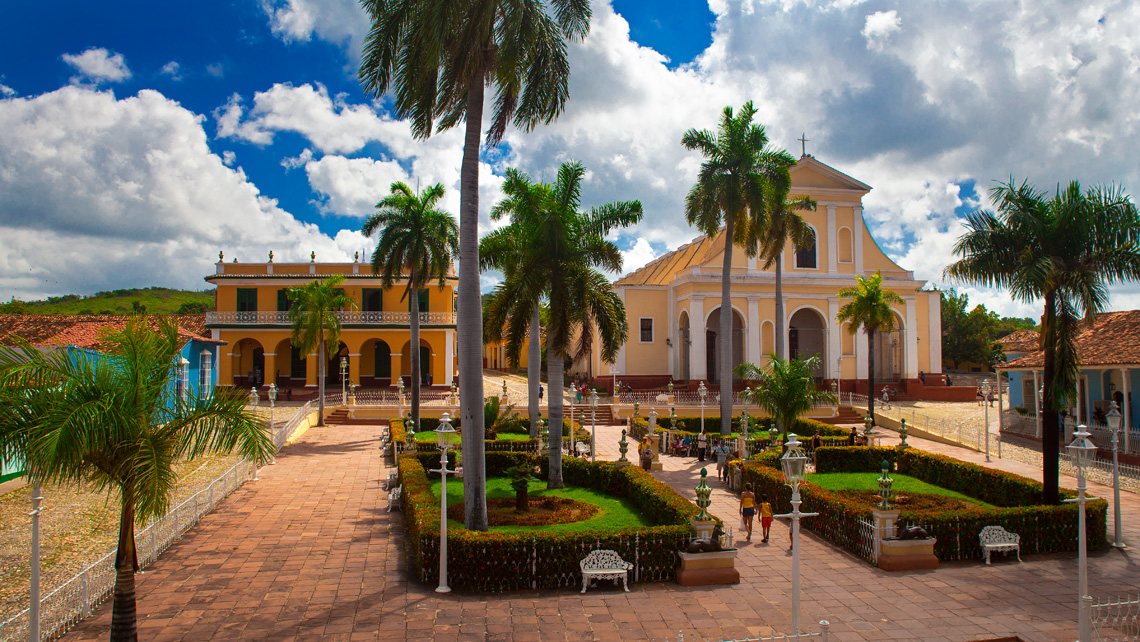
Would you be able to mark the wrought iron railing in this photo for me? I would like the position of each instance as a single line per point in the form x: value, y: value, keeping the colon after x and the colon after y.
x: 351, y: 317
x: 1117, y: 620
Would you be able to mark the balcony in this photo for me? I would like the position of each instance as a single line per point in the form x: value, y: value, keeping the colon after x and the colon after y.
x: 346, y: 318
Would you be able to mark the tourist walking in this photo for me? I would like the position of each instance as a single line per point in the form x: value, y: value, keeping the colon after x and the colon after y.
x: 645, y: 453
x: 721, y: 451
x: 765, y: 518
x: 747, y: 508
x: 540, y: 393
x: 702, y: 444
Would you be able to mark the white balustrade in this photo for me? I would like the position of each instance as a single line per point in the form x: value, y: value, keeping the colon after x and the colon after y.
x: 348, y: 317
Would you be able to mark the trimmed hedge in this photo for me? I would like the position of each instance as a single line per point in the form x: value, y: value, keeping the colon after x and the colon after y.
x: 505, y: 561
x: 692, y: 426
x: 1043, y: 529
x: 396, y: 428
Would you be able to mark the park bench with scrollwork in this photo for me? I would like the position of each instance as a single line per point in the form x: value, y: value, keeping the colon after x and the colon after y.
x: 604, y: 564
x: 996, y: 538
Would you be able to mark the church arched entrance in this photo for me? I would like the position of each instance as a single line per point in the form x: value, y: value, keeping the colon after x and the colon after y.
x: 807, y: 336
x: 712, y: 343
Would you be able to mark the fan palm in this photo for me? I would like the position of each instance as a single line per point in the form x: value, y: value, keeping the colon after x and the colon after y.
x: 118, y: 422
x: 732, y: 190
x: 1065, y: 250
x: 313, y: 311
x: 566, y: 249
x: 784, y: 225
x: 437, y: 57
x: 417, y: 239
x: 870, y: 309
x: 786, y: 389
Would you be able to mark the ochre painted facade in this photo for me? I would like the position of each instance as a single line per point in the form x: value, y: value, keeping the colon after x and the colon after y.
x: 673, y: 303
x: 250, y: 317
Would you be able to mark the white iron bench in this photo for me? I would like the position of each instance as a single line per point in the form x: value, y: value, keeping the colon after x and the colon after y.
x: 996, y: 538
x: 604, y: 564
x: 393, y: 479
x: 394, y: 497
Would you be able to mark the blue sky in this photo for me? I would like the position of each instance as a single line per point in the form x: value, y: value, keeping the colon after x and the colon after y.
x: 137, y: 138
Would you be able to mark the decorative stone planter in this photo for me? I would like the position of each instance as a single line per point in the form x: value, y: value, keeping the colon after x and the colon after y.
x: 907, y: 554
x: 704, y: 569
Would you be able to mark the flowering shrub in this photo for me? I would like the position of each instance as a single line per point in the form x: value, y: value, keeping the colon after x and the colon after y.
x: 692, y: 426
x: 1043, y: 529
x: 502, y: 561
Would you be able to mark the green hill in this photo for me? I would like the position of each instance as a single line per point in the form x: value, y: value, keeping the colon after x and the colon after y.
x: 151, y: 300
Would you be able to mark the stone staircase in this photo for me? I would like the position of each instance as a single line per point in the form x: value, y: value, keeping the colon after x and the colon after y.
x: 846, y: 417
x: 339, y: 417
x: 605, y: 414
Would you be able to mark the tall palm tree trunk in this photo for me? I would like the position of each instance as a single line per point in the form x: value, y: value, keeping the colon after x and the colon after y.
x: 414, y: 346
x: 871, y: 374
x: 321, y: 365
x: 534, y: 372
x: 554, y: 361
x: 780, y: 307
x: 724, y: 363
x: 124, y: 618
x: 1050, y: 419
x: 470, y: 323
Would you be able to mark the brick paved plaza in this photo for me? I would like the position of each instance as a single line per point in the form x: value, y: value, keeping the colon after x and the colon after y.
x: 309, y: 553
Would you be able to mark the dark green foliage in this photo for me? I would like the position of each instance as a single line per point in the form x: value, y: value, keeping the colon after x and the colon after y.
x: 803, y: 427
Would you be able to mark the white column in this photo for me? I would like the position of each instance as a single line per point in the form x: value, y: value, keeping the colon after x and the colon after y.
x: 619, y: 361
x: 832, y: 257
x: 698, y: 362
x: 860, y: 354
x: 859, y: 224
x: 671, y: 328
x: 752, y: 332
x: 448, y: 357
x: 834, y: 339
x: 934, y: 339
x: 911, y: 337
x: 1036, y: 404
x: 1126, y: 383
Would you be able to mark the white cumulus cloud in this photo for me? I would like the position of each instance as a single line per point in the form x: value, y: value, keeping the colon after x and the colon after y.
x: 98, y: 65
x: 879, y: 27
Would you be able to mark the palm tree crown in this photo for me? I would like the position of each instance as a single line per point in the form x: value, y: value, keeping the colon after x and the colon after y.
x: 870, y: 309
x: 418, y: 241
x: 313, y: 311
x: 786, y: 388
x: 732, y: 190
x: 1065, y: 250
x: 117, y: 422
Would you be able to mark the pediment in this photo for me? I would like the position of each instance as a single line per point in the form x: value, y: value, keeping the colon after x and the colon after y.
x: 810, y: 174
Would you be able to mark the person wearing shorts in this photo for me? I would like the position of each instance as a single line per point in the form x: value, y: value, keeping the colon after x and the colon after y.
x: 721, y: 452
x: 765, y: 517
x: 747, y: 508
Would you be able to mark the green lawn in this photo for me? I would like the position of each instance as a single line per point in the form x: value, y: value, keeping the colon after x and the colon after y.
x: 614, y: 512
x: 901, y: 483
x: 429, y: 436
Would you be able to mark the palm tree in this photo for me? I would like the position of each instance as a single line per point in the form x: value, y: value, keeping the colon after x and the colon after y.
x: 869, y: 308
x: 313, y: 311
x: 784, y: 225
x: 1066, y: 250
x: 565, y: 250
x: 118, y: 423
x: 420, y: 239
x: 506, y: 249
x: 437, y: 57
x: 732, y: 190
x: 786, y: 388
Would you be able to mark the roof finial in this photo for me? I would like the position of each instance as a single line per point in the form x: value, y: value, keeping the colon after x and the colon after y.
x: 356, y: 258
x: 270, y: 256
x: 312, y: 257
x: 221, y: 257
x: 804, y: 140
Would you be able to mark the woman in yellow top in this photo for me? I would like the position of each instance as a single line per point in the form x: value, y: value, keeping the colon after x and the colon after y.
x: 747, y: 508
x: 765, y: 517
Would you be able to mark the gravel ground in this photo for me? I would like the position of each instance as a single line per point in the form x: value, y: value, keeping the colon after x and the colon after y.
x: 78, y: 526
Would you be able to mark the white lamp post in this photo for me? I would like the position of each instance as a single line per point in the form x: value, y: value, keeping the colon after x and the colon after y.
x: 1114, y: 418
x: 794, y: 462
x: 272, y: 394
x: 593, y: 424
x: 702, y: 392
x: 34, y: 594
x: 254, y: 400
x: 443, y: 436
x: 1083, y: 452
x: 986, y: 401
x: 343, y: 372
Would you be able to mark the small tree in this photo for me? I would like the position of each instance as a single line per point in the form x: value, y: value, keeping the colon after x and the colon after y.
x: 786, y: 388
x: 315, y: 323
x: 521, y: 477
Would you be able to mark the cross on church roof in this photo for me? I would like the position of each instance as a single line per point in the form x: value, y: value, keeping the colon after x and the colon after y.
x: 804, y: 140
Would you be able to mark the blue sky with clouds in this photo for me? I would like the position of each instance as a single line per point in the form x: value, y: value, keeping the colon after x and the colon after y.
x: 137, y: 139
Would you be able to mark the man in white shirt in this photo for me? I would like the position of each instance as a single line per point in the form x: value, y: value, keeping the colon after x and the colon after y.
x: 702, y: 444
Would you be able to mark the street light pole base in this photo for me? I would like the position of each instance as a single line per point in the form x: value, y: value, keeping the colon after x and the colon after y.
x: 443, y: 589
x: 1120, y: 546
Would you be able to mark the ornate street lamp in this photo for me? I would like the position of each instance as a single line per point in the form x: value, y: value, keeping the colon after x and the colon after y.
x: 1114, y: 419
x: 1083, y: 453
x: 986, y: 389
x: 794, y: 464
x: 443, y: 436
x: 272, y: 394
x: 254, y: 398
x: 702, y: 392
x: 593, y: 425
x: 343, y: 373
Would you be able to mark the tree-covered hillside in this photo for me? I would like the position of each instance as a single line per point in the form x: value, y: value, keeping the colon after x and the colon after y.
x: 150, y: 300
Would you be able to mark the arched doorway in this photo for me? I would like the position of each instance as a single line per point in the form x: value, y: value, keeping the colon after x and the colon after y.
x: 712, y: 344
x: 332, y: 370
x: 807, y: 336
x: 425, y: 362
x: 248, y: 363
x: 889, y: 353
x: 684, y: 343
x: 375, y: 363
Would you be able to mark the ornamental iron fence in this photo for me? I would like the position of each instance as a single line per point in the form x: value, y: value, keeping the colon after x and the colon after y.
x: 1117, y: 620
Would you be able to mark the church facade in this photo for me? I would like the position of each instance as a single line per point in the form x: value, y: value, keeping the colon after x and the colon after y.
x: 674, y: 303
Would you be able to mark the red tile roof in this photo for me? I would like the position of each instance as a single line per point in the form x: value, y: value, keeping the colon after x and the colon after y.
x: 1021, y: 341
x: 85, y: 331
x: 1113, y: 339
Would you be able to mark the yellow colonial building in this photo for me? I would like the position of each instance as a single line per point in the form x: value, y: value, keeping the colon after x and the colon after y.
x: 673, y: 303
x: 250, y: 316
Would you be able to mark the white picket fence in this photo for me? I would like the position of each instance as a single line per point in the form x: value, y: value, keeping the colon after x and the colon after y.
x: 66, y: 606
x: 1117, y: 620
x: 823, y: 634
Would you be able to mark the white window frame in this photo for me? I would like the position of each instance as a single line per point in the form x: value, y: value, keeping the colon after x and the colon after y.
x: 205, y: 373
x: 652, y: 330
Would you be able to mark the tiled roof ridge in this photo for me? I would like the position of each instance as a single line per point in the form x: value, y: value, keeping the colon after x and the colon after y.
x: 1113, y: 338
x: 85, y: 331
x: 659, y: 260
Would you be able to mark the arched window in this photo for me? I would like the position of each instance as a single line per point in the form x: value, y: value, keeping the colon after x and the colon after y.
x: 844, y: 245
x: 807, y: 257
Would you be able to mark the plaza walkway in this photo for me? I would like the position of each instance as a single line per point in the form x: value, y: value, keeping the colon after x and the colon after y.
x: 308, y: 553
